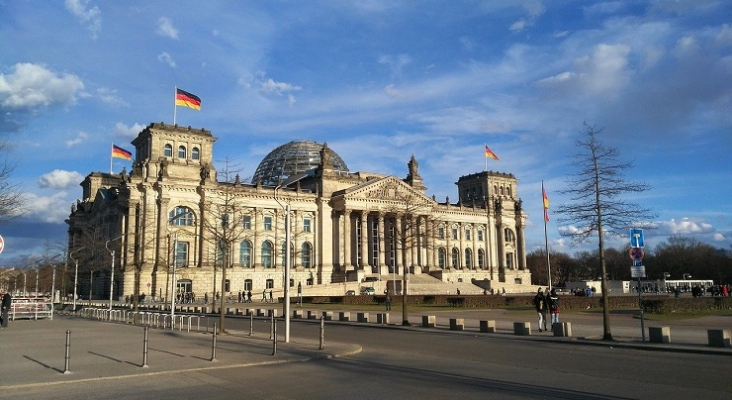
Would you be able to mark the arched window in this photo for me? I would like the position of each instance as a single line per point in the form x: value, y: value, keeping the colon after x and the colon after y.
x: 245, y: 254
x: 441, y: 258
x: 468, y: 258
x: 168, y: 150
x: 306, y: 255
x: 509, y: 236
x: 284, y: 255
x: 181, y: 216
x: 481, y: 259
x: 195, y: 153
x: 267, y: 254
x: 455, y: 258
x: 181, y: 151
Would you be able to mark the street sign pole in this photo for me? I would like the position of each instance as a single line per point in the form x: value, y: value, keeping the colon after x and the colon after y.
x: 638, y: 270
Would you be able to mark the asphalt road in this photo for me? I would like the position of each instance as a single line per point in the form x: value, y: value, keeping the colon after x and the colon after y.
x: 398, y: 363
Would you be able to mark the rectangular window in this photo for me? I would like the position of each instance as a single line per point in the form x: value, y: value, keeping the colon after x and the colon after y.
x: 480, y: 235
x: 181, y: 255
x: 306, y: 225
x: 267, y: 223
x: 247, y: 222
x: 440, y: 233
x: 467, y: 234
x: 247, y: 284
x: 454, y: 234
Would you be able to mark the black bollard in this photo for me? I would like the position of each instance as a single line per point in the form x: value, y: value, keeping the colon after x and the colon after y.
x: 68, y: 352
x: 274, y: 336
x: 144, y: 348
x: 213, y: 344
x: 322, y: 333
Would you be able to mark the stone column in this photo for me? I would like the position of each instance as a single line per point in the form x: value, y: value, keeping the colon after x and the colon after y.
x: 382, y: 254
x: 364, y: 241
x: 256, y: 245
x: 345, y: 245
x: 474, y: 232
x: 398, y: 250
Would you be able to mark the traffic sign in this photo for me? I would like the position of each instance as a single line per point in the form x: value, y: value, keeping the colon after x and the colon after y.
x: 2, y: 244
x: 636, y: 253
x: 638, y: 271
x: 636, y: 237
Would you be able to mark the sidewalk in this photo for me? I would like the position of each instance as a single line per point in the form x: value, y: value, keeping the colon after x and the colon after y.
x: 34, y: 351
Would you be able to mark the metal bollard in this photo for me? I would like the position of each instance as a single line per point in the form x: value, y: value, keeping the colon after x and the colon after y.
x: 144, y: 348
x: 68, y: 353
x: 251, y: 324
x: 322, y: 333
x: 271, y: 327
x: 213, y: 344
x: 274, y: 337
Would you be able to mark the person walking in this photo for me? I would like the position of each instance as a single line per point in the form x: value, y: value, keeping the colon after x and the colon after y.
x: 271, y: 300
x: 388, y: 300
x: 264, y: 296
x: 540, y: 306
x: 553, y: 302
x: 5, y: 305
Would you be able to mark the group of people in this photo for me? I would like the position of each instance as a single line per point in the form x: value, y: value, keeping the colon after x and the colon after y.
x: 5, y: 305
x: 546, y: 302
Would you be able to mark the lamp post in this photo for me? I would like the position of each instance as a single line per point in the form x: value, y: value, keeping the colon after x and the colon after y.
x: 288, y: 256
x: 76, y: 272
x: 111, y: 280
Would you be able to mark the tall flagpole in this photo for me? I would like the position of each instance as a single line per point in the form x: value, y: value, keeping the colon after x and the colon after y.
x: 485, y: 157
x: 546, y: 236
x: 175, y: 106
x: 111, y: 158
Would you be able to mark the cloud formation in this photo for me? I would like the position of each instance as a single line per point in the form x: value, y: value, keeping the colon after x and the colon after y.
x: 60, y: 179
x: 166, y: 29
x: 32, y: 85
x: 91, y: 17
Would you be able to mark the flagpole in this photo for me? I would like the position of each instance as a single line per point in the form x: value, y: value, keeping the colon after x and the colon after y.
x: 111, y: 158
x: 485, y: 157
x: 546, y: 236
x: 175, y: 106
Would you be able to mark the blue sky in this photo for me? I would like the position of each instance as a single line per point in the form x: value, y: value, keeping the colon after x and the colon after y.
x: 379, y: 81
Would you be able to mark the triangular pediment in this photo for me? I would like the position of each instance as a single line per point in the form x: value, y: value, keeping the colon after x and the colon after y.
x: 388, y: 190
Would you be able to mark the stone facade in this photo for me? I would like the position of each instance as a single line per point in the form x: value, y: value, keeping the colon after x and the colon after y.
x: 175, y: 211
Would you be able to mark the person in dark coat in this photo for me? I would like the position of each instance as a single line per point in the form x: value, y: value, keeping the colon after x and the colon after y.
x: 540, y: 306
x: 5, y: 305
x: 553, y: 302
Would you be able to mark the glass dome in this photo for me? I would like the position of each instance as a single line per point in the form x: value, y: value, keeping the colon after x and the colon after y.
x: 292, y: 158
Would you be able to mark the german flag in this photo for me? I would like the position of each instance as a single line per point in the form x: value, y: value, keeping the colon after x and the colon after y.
x: 119, y: 152
x: 185, y: 99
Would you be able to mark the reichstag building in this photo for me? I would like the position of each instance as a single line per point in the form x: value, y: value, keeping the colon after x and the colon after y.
x: 173, y: 222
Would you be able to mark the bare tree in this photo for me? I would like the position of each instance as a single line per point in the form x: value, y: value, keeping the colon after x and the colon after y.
x: 596, y: 206
x: 222, y: 221
x: 11, y: 194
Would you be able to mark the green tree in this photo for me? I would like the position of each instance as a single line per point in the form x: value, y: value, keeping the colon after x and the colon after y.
x: 596, y: 206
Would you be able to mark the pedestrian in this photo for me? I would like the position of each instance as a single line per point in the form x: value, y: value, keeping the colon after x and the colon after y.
x: 458, y: 291
x: 271, y: 300
x: 249, y: 296
x: 5, y: 305
x: 540, y: 306
x: 239, y: 296
x: 388, y: 300
x: 554, y: 306
x: 264, y: 296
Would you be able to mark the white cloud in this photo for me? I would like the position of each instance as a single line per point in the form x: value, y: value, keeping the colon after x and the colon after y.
x: 271, y: 86
x: 32, y: 85
x: 90, y: 16
x: 80, y: 138
x: 60, y: 179
x: 124, y: 131
x: 165, y: 28
x: 394, y: 93
x: 166, y: 58
x: 109, y: 96
x: 685, y: 226
x: 518, y: 26
x: 718, y: 237
x: 52, y: 208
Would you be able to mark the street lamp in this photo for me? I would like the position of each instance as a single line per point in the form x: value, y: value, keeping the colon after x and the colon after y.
x: 111, y: 281
x: 288, y: 256
x: 76, y: 272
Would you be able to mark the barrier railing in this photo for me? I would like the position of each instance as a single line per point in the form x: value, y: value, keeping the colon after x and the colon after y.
x: 144, y: 318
